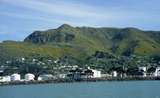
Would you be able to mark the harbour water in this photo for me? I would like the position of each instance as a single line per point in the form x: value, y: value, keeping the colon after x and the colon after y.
x: 109, y: 89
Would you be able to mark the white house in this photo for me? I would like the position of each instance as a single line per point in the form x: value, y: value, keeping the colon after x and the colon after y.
x: 23, y: 59
x: 114, y: 74
x: 45, y: 77
x: 29, y: 77
x: 62, y: 76
x: 5, y: 79
x: 157, y: 72
x: 96, y: 73
x: 144, y: 69
x: 15, y: 77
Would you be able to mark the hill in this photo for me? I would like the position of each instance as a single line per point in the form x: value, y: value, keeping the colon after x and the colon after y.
x: 82, y: 42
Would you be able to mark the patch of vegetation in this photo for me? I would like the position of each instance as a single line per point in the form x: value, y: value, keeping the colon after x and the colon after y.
x: 98, y: 47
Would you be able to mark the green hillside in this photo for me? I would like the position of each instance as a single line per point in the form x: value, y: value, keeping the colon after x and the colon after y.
x: 81, y: 42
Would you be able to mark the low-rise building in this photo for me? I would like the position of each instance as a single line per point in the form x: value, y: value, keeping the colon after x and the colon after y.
x: 96, y: 73
x: 78, y: 74
x: 143, y: 69
x: 157, y: 72
x: 45, y: 77
x: 114, y: 74
x: 29, y: 77
x: 75, y: 74
x: 23, y: 59
x: 15, y: 77
x: 62, y: 76
x: 88, y: 74
x: 5, y: 79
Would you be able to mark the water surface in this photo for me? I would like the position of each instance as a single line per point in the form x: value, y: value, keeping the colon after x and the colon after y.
x: 123, y: 89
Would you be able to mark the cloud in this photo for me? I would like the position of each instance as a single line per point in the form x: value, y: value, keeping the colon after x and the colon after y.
x: 63, y: 11
x: 43, y: 19
x: 27, y: 16
x: 58, y: 12
x: 69, y: 12
x: 79, y: 11
x: 60, y: 8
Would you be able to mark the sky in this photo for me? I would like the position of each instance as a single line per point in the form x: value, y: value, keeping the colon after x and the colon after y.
x: 19, y: 18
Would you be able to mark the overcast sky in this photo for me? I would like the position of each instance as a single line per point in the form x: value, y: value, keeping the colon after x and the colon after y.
x: 19, y: 18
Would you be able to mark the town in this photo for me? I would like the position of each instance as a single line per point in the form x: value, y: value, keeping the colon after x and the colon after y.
x: 65, y: 72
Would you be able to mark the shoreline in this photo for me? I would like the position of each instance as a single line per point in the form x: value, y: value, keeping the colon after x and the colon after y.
x: 57, y: 81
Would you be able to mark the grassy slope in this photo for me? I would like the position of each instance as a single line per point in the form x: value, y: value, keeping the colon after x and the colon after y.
x: 86, y: 42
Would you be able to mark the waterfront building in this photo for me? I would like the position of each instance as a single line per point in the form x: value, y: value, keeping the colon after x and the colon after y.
x: 143, y: 70
x: 88, y: 73
x: 78, y: 74
x: 157, y: 72
x: 46, y: 77
x: 96, y: 73
x: 23, y: 59
x: 15, y: 77
x: 62, y: 76
x: 106, y: 75
x: 114, y: 74
x: 29, y: 77
x: 75, y: 74
x: 34, y: 60
x: 5, y: 79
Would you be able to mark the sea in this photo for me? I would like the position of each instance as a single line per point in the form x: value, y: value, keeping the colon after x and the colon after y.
x: 107, y: 89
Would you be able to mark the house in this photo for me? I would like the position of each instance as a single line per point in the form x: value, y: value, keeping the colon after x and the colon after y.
x: 15, y: 77
x: 29, y: 77
x: 96, y: 73
x: 45, y: 77
x: 79, y: 74
x: 157, y: 72
x: 114, y: 74
x: 22, y: 59
x: 5, y: 79
x: 34, y: 60
x: 88, y: 73
x: 62, y: 76
x: 75, y: 74
x: 143, y: 70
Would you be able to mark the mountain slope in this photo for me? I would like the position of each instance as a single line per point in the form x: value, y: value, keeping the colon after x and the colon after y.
x: 81, y: 42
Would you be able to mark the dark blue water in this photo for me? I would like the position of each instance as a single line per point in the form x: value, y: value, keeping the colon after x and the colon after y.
x: 130, y: 89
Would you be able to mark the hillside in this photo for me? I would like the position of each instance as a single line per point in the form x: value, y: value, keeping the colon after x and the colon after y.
x: 81, y: 42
